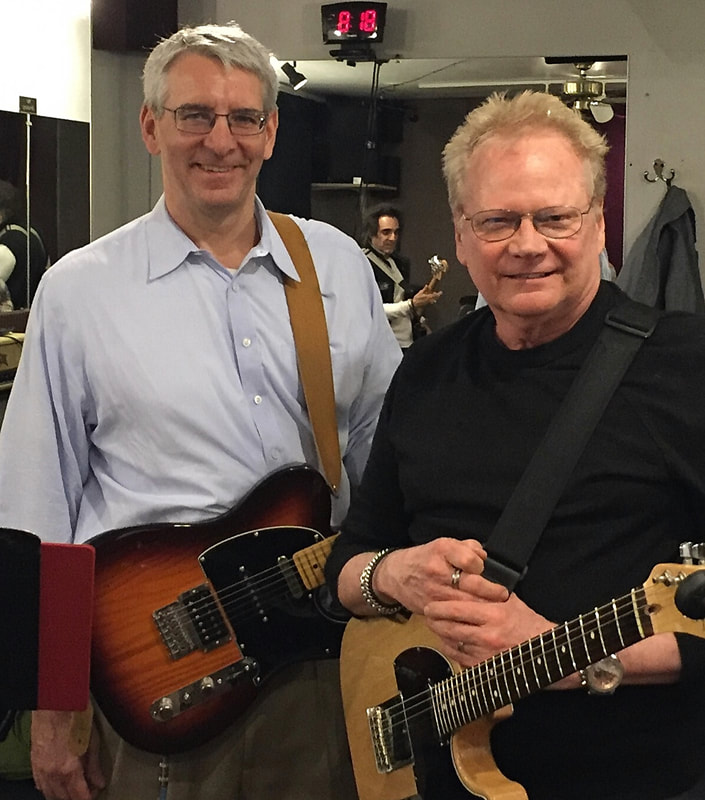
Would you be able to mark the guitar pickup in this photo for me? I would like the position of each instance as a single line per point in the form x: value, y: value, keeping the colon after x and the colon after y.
x: 291, y: 576
x: 193, y: 622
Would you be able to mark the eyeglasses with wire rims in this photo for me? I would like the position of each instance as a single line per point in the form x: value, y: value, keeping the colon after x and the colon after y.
x: 554, y: 222
x: 201, y: 120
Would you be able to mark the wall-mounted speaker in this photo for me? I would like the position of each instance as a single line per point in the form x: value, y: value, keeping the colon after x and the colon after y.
x: 132, y: 25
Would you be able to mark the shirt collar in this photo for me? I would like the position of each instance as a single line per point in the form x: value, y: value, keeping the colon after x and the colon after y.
x: 168, y: 246
x: 272, y: 244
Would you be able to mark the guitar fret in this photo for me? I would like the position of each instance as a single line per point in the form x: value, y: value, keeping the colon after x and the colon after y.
x: 570, y: 647
x: 475, y: 697
x: 465, y: 695
x: 488, y: 708
x: 532, y: 661
x: 514, y: 677
x: 545, y: 660
x: 584, y: 638
x: 557, y: 652
x: 521, y: 668
x: 637, y: 616
x: 605, y: 652
x: 505, y: 675
x: 493, y: 679
x: 616, y: 620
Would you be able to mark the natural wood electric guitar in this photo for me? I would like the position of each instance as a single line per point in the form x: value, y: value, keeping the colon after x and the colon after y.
x: 190, y: 619
x: 404, y: 701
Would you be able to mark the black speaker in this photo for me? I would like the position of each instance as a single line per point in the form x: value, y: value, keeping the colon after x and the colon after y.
x: 132, y: 25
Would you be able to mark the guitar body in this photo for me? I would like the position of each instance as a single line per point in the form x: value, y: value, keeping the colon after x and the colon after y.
x: 405, y: 703
x: 191, y: 619
x: 381, y: 658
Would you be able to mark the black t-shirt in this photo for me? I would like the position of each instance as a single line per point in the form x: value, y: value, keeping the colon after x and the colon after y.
x: 478, y: 411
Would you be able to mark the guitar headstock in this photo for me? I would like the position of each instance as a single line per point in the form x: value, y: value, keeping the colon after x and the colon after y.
x: 676, y: 594
x: 439, y: 266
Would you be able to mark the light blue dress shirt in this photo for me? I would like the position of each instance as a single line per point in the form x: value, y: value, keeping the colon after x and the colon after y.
x: 157, y: 386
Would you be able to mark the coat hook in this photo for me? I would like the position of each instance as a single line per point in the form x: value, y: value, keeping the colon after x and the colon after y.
x: 658, y: 169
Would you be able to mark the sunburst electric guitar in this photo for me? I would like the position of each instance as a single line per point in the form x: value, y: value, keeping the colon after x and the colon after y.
x: 404, y: 701
x: 190, y: 619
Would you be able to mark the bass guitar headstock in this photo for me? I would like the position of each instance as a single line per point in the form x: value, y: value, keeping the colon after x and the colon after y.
x: 439, y: 267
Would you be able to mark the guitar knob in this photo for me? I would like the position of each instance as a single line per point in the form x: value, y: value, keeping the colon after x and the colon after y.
x: 165, y: 709
x: 207, y: 685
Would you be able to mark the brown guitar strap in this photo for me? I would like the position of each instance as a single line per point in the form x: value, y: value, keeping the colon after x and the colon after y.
x: 308, y: 323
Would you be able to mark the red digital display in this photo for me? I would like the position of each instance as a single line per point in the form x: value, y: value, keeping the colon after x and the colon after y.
x: 353, y: 22
x: 344, y: 20
x: 368, y: 21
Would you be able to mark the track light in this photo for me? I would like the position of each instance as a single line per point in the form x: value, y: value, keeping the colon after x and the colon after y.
x: 296, y: 79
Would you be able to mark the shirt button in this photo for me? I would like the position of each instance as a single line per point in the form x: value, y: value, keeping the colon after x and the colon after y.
x: 246, y: 342
x: 257, y: 399
x: 275, y: 454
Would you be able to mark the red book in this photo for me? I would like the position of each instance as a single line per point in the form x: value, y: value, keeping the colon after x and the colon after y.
x: 46, y: 609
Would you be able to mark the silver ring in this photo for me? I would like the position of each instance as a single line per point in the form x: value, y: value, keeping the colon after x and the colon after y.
x: 455, y: 578
x: 461, y: 647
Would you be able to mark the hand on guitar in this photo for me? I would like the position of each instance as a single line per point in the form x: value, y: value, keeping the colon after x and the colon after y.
x: 416, y: 576
x: 473, y: 629
x: 424, y: 297
x: 57, y: 772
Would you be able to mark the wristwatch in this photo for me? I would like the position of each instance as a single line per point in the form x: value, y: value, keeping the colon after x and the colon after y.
x: 602, y: 677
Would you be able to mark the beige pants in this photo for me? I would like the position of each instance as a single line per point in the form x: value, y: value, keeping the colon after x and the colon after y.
x: 289, y: 745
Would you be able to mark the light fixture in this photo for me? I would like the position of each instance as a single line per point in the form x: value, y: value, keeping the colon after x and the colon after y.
x: 296, y: 79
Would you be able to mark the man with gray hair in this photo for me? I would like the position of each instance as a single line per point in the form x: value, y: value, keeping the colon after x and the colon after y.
x: 159, y: 383
x: 526, y: 183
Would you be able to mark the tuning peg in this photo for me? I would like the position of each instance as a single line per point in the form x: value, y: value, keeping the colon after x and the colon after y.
x: 698, y: 552
x: 685, y: 550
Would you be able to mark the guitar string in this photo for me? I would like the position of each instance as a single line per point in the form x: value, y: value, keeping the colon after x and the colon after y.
x: 265, y: 586
x: 421, y: 703
x: 559, y: 637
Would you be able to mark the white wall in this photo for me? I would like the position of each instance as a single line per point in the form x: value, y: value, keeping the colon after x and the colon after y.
x: 46, y: 54
x: 666, y: 118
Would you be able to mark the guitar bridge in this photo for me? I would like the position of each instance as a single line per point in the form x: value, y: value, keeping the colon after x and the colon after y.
x: 390, y: 743
x: 193, y: 622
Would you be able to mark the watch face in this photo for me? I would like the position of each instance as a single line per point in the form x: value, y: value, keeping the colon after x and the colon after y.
x: 604, y: 676
x: 353, y: 22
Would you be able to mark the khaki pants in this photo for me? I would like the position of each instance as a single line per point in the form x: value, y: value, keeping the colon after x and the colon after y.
x: 289, y: 745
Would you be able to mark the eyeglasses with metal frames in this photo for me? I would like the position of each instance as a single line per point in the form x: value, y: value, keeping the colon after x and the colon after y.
x: 201, y: 120
x: 554, y: 222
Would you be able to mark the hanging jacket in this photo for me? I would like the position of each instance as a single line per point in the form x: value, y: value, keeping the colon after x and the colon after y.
x: 661, y: 268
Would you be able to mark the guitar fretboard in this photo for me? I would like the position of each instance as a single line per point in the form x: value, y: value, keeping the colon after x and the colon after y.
x: 539, y: 662
x: 310, y: 561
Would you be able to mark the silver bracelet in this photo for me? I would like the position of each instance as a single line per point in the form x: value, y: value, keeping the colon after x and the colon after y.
x: 371, y: 598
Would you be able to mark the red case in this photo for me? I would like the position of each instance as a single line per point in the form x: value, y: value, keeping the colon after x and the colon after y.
x: 65, y: 620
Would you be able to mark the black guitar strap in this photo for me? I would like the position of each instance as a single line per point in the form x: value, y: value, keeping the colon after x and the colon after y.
x: 529, y: 509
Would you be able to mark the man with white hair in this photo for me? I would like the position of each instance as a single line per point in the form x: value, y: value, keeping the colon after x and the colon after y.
x: 465, y: 412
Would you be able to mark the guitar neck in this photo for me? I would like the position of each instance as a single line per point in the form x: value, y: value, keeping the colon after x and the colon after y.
x: 310, y: 561
x: 541, y: 661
